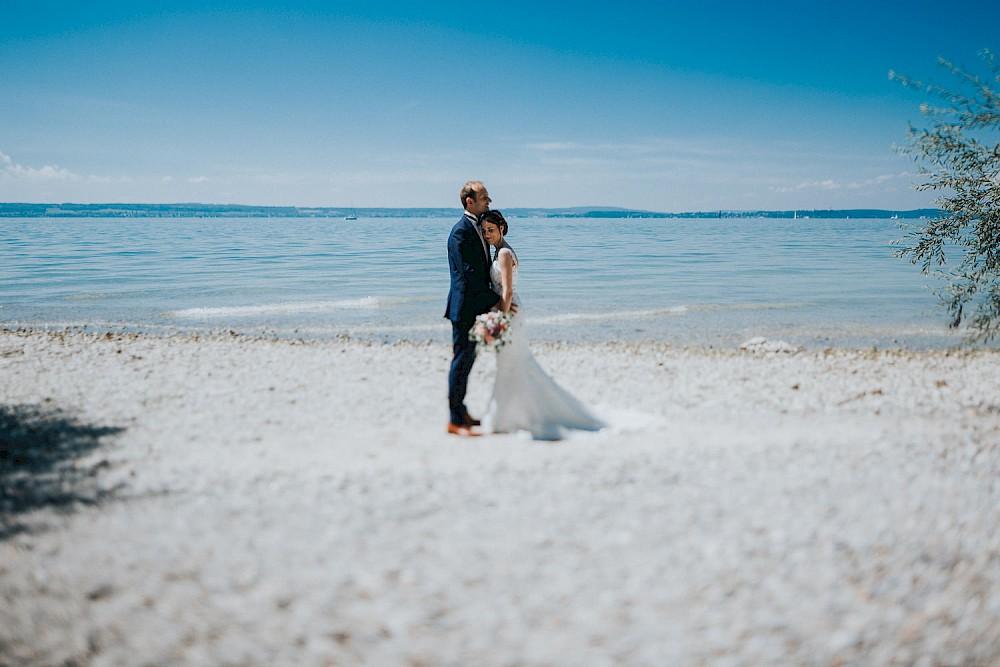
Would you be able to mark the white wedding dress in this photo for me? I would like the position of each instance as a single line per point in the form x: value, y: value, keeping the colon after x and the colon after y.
x: 525, y: 398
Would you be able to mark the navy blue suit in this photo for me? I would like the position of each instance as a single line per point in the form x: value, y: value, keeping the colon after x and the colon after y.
x: 470, y: 295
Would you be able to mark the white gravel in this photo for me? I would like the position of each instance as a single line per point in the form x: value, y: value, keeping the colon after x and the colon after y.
x: 288, y: 503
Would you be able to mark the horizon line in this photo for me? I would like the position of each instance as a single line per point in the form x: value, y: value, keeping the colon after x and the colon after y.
x: 325, y: 207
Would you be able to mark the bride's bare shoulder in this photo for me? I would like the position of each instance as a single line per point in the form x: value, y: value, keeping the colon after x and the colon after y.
x: 506, y: 254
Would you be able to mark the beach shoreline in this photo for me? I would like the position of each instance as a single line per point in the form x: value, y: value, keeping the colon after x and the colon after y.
x: 261, y: 500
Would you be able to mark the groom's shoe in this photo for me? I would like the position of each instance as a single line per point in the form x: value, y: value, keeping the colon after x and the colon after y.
x: 463, y: 430
x: 468, y: 420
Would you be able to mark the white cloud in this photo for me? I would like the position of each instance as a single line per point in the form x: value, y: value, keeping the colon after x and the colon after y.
x: 198, y: 179
x: 109, y: 179
x: 651, y: 160
x: 556, y: 146
x: 574, y: 162
x: 878, y: 180
x: 47, y: 173
x: 827, y: 184
x: 656, y: 146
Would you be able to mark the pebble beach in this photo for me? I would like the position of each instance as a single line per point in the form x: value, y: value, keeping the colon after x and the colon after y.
x: 236, y: 500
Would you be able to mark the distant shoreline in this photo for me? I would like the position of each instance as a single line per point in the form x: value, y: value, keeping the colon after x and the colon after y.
x: 69, y: 210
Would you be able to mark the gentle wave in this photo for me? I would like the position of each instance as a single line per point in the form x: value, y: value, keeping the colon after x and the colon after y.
x: 611, y: 315
x: 92, y: 296
x: 387, y: 303
x: 366, y: 303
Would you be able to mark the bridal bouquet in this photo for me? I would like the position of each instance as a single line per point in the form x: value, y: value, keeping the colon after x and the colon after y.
x: 489, y: 329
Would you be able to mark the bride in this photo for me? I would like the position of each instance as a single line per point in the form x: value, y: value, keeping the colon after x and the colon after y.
x: 524, y: 396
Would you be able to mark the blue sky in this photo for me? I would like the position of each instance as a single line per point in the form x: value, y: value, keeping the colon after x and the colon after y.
x: 653, y: 105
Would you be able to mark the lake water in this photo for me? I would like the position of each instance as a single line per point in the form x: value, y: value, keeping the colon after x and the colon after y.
x: 813, y: 282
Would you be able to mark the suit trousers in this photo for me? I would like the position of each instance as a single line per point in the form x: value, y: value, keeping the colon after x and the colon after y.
x: 464, y: 355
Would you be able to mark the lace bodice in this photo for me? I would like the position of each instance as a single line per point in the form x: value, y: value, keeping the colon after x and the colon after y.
x: 496, y: 282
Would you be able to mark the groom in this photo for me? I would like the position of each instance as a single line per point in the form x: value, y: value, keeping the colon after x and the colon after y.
x: 470, y: 295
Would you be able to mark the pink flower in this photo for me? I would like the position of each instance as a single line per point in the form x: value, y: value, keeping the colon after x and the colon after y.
x: 489, y: 328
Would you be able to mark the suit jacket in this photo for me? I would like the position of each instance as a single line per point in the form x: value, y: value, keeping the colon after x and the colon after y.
x: 469, y: 263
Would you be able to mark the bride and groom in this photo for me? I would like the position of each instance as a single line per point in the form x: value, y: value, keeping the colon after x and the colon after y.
x: 524, y: 398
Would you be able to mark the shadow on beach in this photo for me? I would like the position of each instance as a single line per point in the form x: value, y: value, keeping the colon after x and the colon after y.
x: 40, y: 450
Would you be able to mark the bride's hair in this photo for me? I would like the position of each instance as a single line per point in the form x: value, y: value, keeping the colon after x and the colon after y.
x: 496, y: 217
